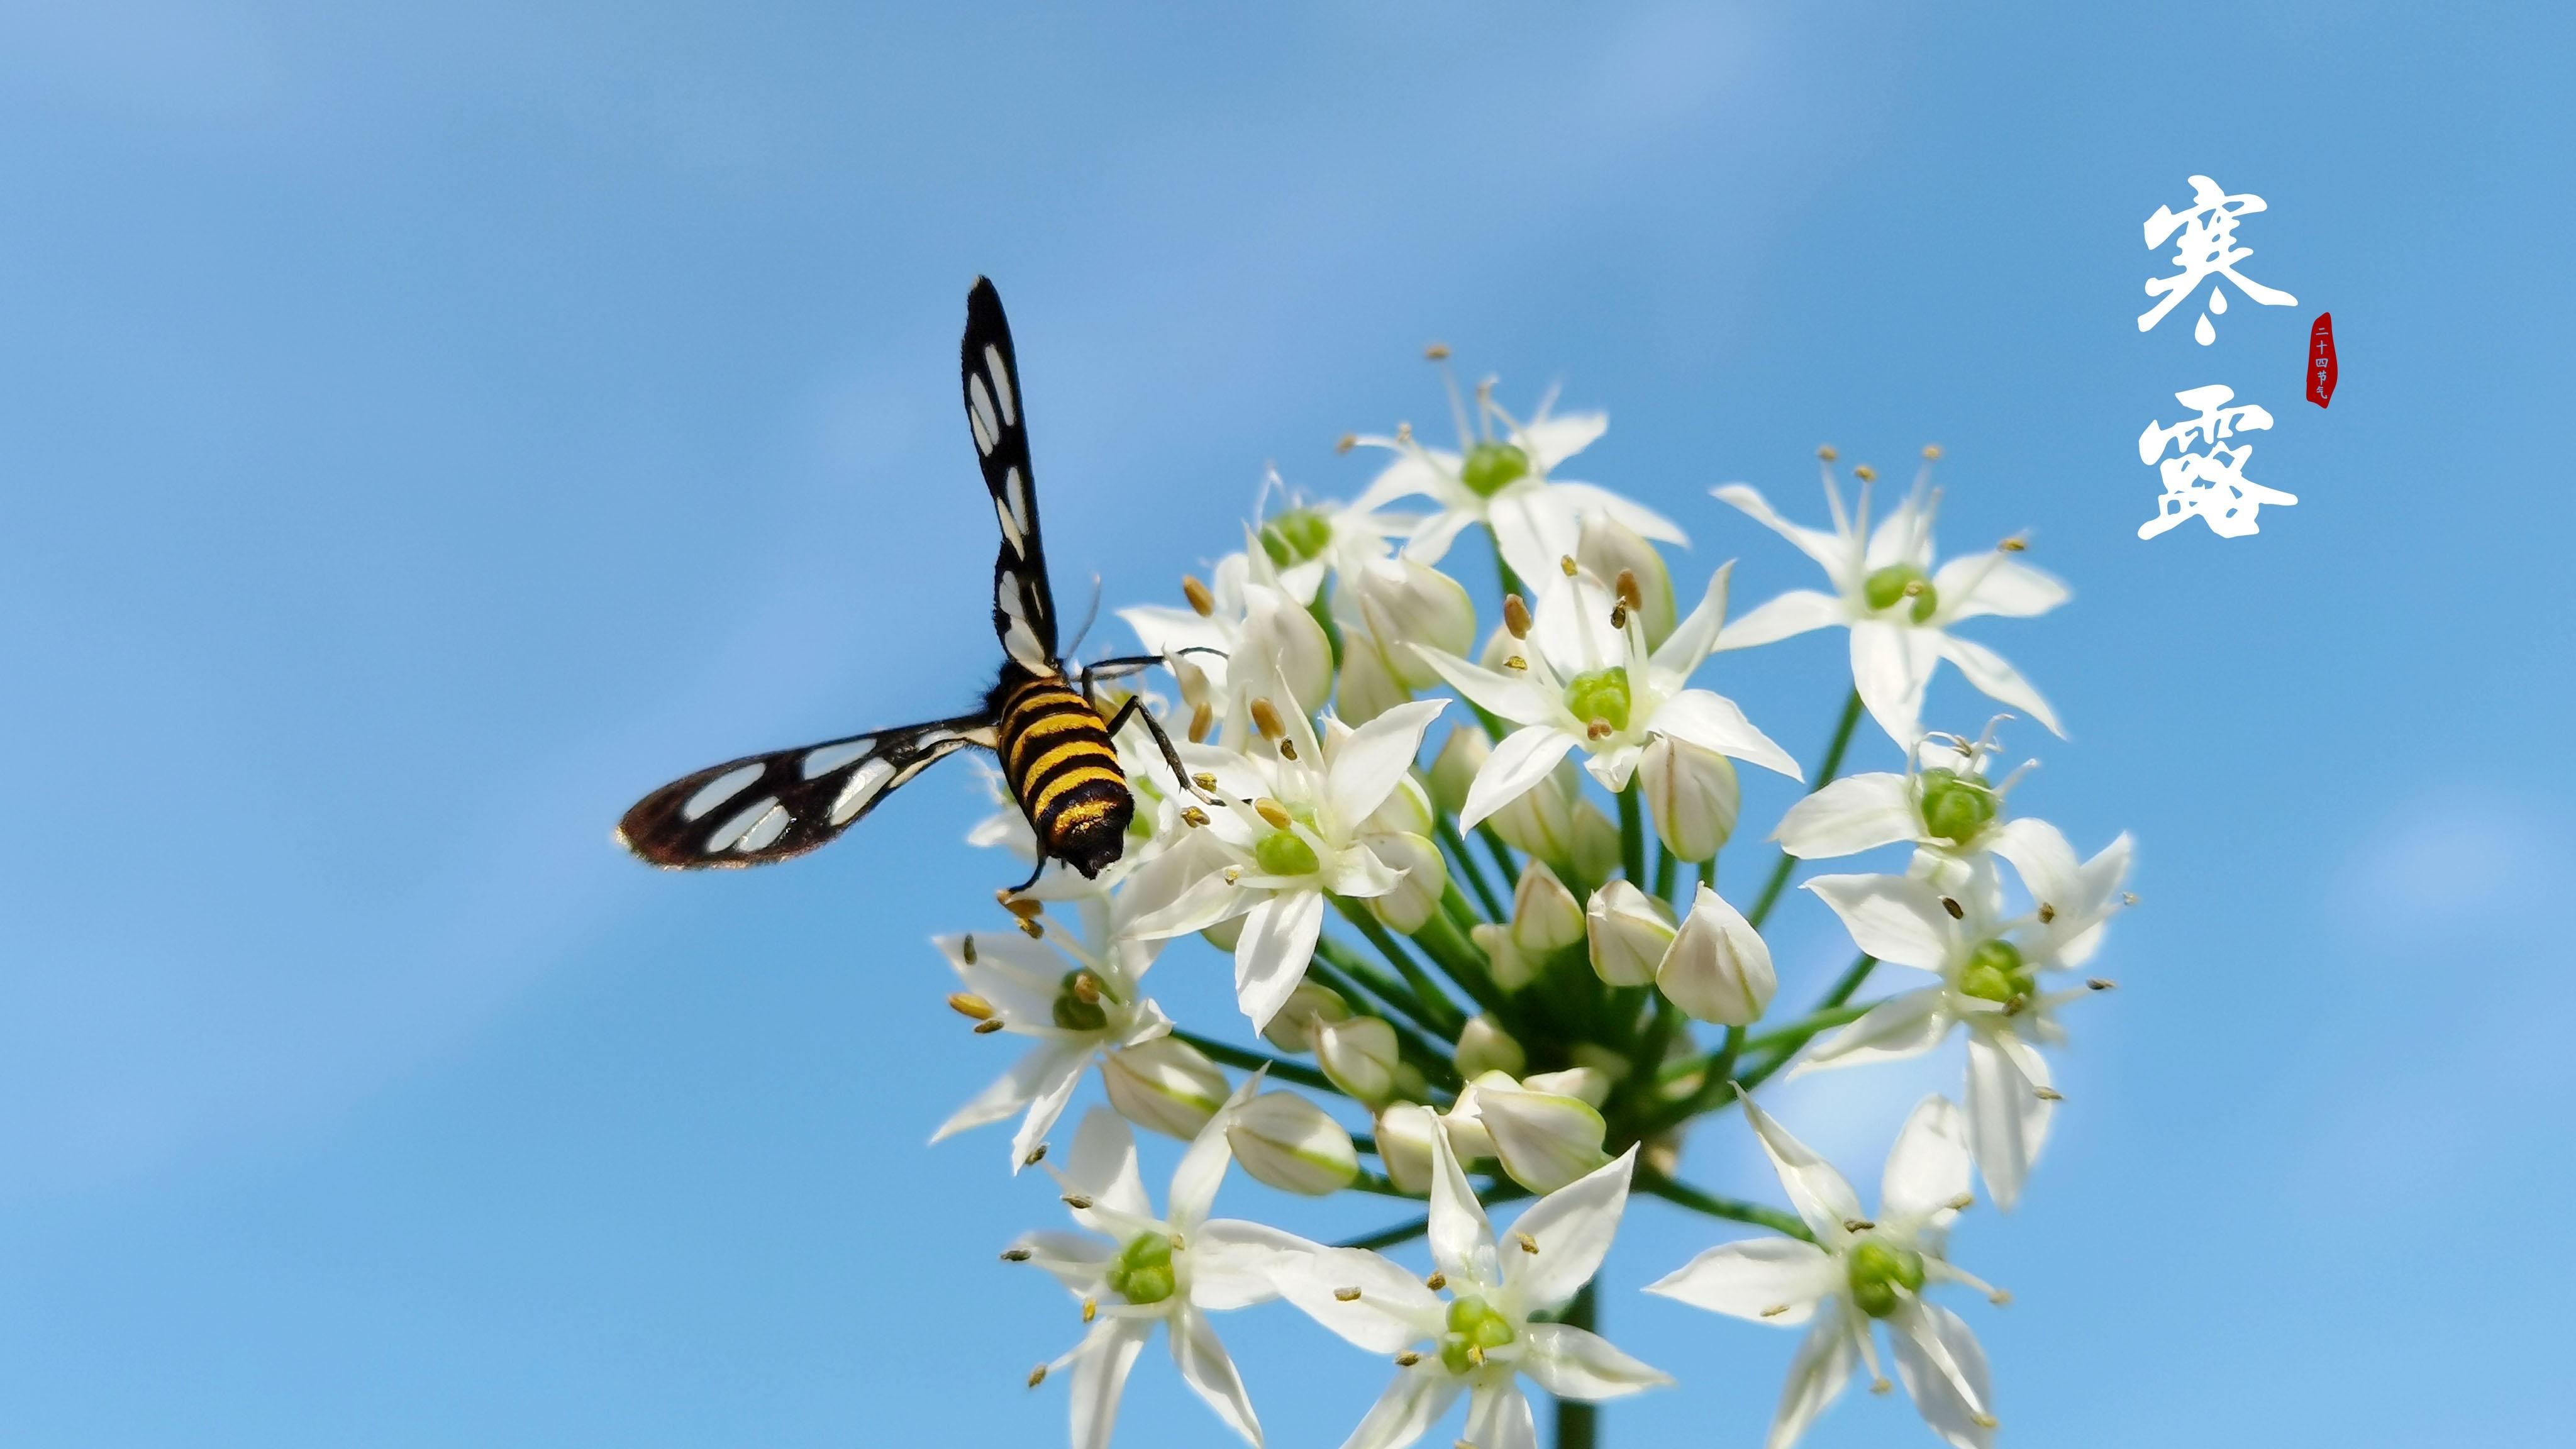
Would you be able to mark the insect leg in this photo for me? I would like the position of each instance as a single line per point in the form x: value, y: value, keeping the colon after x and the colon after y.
x: 1135, y: 706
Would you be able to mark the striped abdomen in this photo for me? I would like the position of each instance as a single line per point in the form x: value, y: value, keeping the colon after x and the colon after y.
x: 1064, y: 772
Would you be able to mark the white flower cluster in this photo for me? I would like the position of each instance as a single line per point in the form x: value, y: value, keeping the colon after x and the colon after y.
x: 1479, y: 973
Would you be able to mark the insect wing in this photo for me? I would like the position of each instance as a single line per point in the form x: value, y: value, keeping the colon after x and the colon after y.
x: 762, y: 808
x: 1023, y: 606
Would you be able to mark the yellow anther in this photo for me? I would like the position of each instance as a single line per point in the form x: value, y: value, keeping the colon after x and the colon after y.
x: 1476, y: 1356
x: 1913, y: 588
x: 1857, y: 1225
x: 1274, y: 812
x: 1346, y: 1295
x: 1436, y: 352
x: 1287, y: 749
x: 1030, y: 928
x: 1618, y: 616
x: 1036, y: 1155
x: 1986, y: 1421
x: 1021, y: 906
x: 1931, y: 452
x: 1516, y: 616
x: 1015, y: 1255
x: 1202, y: 720
x: 2000, y: 1298
x: 988, y: 1027
x: 1630, y: 596
x: 1090, y: 1309
x: 1528, y: 1243
x: 2048, y: 1094
x: 1436, y: 1282
x: 1827, y: 453
x: 2128, y: 898
x: 1265, y: 718
x: 1775, y: 1310
x: 1865, y: 473
x: 1880, y: 1386
x: 2100, y: 983
x: 1204, y: 781
x: 1566, y: 562
x: 1077, y: 1201
x: 1037, y: 1375
x: 1202, y: 602
x: 2014, y: 544
x: 1087, y: 987
x: 1957, y: 911
x: 966, y: 948
x: 967, y: 1003
x: 1516, y: 662
x: 2047, y: 912
x: 1407, y: 1359
x: 1962, y: 1202
x: 1193, y: 816
x: 1346, y: 442
x: 1233, y: 873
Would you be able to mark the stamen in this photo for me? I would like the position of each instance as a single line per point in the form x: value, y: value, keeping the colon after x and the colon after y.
x: 1775, y: 1310
x: 1516, y: 662
x: 1599, y: 729
x: 1204, y: 781
x: 1865, y: 473
x: 1476, y: 1356
x: 1630, y: 596
x: 1265, y: 718
x: 966, y: 949
x: 2048, y: 1094
x: 1516, y: 616
x: 1030, y: 928
x: 1963, y: 1202
x: 1193, y: 816
x: 1566, y: 562
x: 1090, y: 1309
x: 2100, y: 983
x: 1931, y: 452
x: 1036, y: 1155
x: 1087, y: 987
x: 1827, y: 453
x: 2128, y: 898
x: 1079, y: 1202
x: 1274, y: 812
x: 1528, y: 1243
x: 1346, y: 442
x: 1016, y: 1255
x: 1857, y: 1225
x: 1021, y: 906
x: 1436, y: 1282
x: 2047, y: 912
x: 1233, y: 873
x: 1346, y: 1295
x: 1287, y: 749
x: 1618, y: 616
x: 1202, y: 719
x: 1037, y: 1375
x: 1407, y: 1359
x: 988, y: 1027
x: 1880, y: 1386
x: 1957, y: 911
x: 1202, y: 602
x: 1404, y: 432
x: 967, y: 1003
x: 2014, y: 544
x: 1986, y: 1421
x: 1436, y: 352
x: 2000, y: 1298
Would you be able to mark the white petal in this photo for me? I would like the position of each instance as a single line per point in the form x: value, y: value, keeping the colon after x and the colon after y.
x: 1848, y: 816
x: 1695, y: 636
x: 1498, y: 1417
x: 1892, y: 917
x: 1100, y: 1374
x: 1551, y: 438
x: 1822, y: 1366
x: 1793, y: 613
x: 1572, y: 625
x: 1891, y: 663
x: 1572, y: 1227
x: 1821, y: 1195
x: 1045, y: 1108
x: 1905, y: 1025
x: 1050, y: 1063
x: 1944, y: 1369
x: 1429, y: 542
x: 1576, y: 1363
x: 1521, y: 761
x: 1102, y: 1164
x: 1629, y: 514
x: 1927, y: 1169
x: 1235, y: 1264
x: 1270, y: 956
x: 1461, y: 1236
x: 1079, y: 1261
x: 1411, y: 1404
x: 1509, y: 696
x: 2007, y: 1118
x: 1825, y: 548
x: 1391, y: 1311
x: 1209, y: 1372
x: 1992, y: 583
x: 1202, y: 1167
x: 2042, y: 857
x: 1534, y: 525
x: 1987, y: 671
x: 1713, y: 722
x: 1208, y: 900
x: 1760, y: 1280
x: 1368, y: 766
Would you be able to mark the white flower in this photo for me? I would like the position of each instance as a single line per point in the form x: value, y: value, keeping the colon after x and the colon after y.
x: 1165, y: 1085
x: 1899, y: 610
x: 1991, y: 973
x: 1132, y: 1270
x: 1504, y: 483
x: 1078, y: 999
x: 1587, y: 682
x: 1305, y: 541
x: 1246, y: 616
x: 1947, y: 808
x: 1857, y: 1270
x: 1359, y: 1055
x: 1304, y: 835
x: 1483, y: 1336
x: 1629, y: 932
x: 1293, y: 1145
x: 1717, y: 968
x: 1691, y: 794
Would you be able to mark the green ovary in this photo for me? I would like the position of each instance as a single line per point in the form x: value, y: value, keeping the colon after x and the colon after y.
x: 1955, y: 806
x: 1473, y: 1324
x: 1295, y: 536
x: 1489, y: 466
x: 1891, y: 583
x: 1142, y: 1272
x: 1878, y: 1272
x: 1283, y: 852
x: 1995, y: 972
x: 1601, y: 695
x: 1072, y: 1013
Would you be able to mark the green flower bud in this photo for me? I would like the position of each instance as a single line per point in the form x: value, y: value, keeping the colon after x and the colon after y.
x: 1601, y: 695
x: 1489, y: 466
x: 1296, y: 536
x: 1284, y: 852
x: 1072, y: 1012
x: 1995, y: 973
x: 1473, y: 1324
x: 1884, y: 587
x: 1878, y: 1271
x: 1956, y: 806
x: 1142, y: 1271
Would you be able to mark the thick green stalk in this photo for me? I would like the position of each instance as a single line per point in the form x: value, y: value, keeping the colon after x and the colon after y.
x: 1655, y: 1184
x: 1665, y: 865
x: 1462, y: 962
x: 1389, y: 1237
x: 1467, y: 866
x: 1824, y: 776
x: 1448, y: 1017
x: 1281, y: 1069
x: 1503, y: 860
x: 1632, y: 835
x: 1377, y: 983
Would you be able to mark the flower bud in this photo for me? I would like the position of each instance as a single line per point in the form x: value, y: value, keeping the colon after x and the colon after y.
x: 1545, y: 915
x: 1404, y: 1144
x: 1628, y: 934
x: 1164, y: 1085
x: 1369, y: 686
x: 1505, y: 962
x: 1404, y: 601
x: 1718, y: 969
x: 1416, y: 898
x: 1610, y: 1062
x: 1275, y: 628
x: 1544, y: 1140
x: 1454, y: 769
x: 1607, y: 547
x: 1358, y: 1055
x: 1468, y: 1139
x: 1407, y: 810
x: 1692, y: 794
x: 1596, y: 842
x: 1293, y: 1028
x: 1588, y: 1083
x: 1483, y: 1046
x: 1540, y: 820
x: 1292, y: 1144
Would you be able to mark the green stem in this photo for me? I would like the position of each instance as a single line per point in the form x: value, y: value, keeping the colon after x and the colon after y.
x: 1377, y: 983
x: 1655, y: 1184
x: 1665, y: 866
x: 1447, y: 1017
x: 1467, y: 866
x: 1463, y: 963
x: 1632, y: 835
x: 1244, y: 1058
x: 1503, y: 861
x: 1389, y: 1237
x: 1578, y: 1424
x: 1848, y: 983
x: 1431, y: 1057
x: 1824, y: 776
x: 1503, y: 570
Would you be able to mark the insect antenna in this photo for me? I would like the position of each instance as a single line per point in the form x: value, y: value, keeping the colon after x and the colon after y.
x: 1088, y: 615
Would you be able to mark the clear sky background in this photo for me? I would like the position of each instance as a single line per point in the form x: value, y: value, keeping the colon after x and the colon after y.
x: 424, y: 429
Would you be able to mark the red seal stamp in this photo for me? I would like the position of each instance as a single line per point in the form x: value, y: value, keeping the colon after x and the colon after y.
x: 2321, y: 360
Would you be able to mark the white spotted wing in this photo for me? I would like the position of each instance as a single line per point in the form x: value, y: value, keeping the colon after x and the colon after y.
x: 768, y: 807
x: 1023, y: 606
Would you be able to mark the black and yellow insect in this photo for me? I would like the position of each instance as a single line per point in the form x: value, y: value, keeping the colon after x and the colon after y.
x: 1040, y: 716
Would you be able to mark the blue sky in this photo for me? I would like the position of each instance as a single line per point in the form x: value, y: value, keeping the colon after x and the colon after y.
x: 421, y: 432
